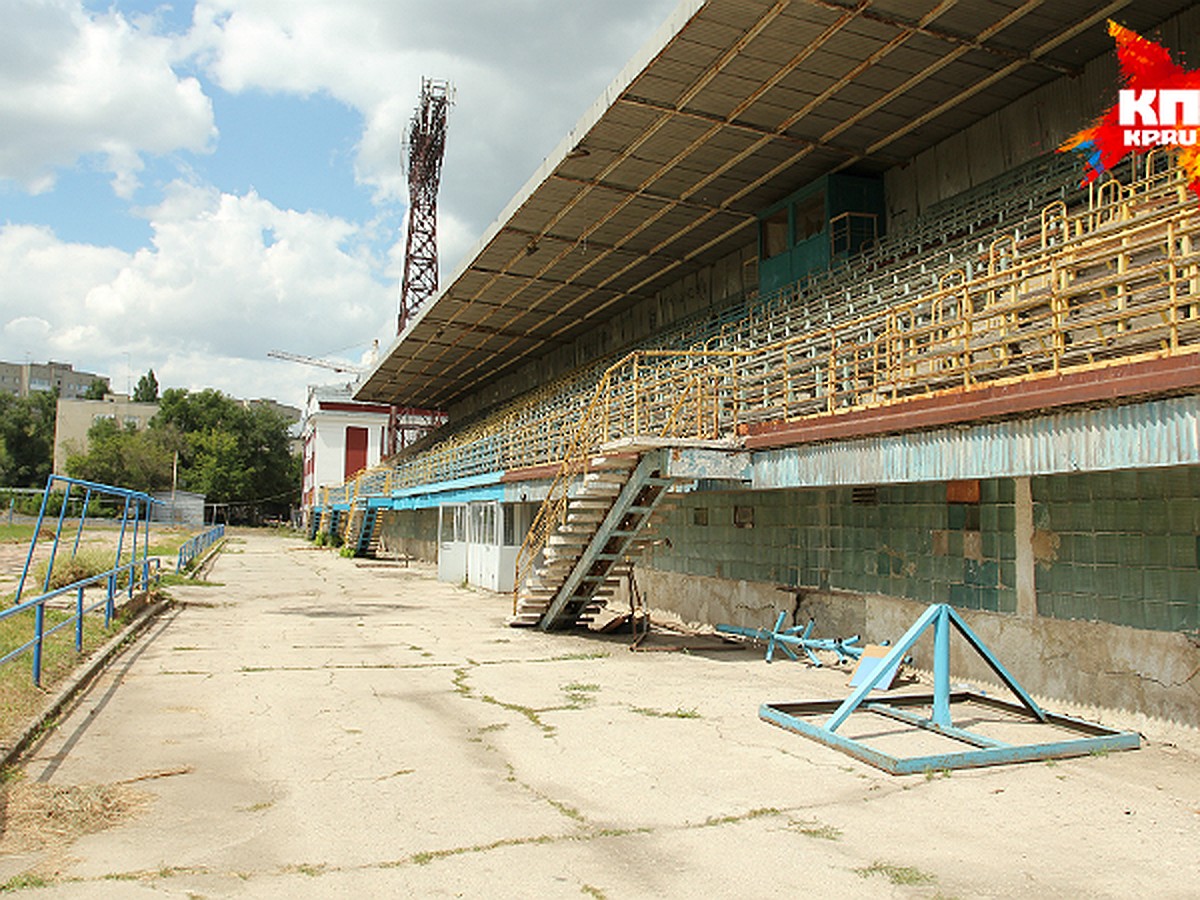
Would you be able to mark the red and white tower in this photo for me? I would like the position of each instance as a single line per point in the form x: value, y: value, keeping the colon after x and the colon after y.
x: 424, y: 146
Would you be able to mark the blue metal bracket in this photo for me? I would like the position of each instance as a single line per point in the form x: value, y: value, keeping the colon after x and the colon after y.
x: 798, y: 636
x: 1081, y: 738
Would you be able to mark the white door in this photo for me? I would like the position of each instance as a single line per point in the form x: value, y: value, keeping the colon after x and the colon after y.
x: 452, y: 543
x: 484, y: 552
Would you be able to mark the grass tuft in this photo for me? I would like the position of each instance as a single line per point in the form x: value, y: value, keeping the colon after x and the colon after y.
x: 677, y: 713
x: 814, y: 829
x: 899, y: 875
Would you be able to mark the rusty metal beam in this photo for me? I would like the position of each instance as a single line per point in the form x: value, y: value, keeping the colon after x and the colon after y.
x: 967, y: 42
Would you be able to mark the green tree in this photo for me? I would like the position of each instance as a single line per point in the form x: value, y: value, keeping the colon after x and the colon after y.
x: 147, y: 388
x: 231, y: 453
x: 27, y: 438
x: 96, y: 390
x: 140, y: 460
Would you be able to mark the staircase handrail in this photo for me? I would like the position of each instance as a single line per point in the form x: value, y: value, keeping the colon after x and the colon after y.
x: 623, y: 384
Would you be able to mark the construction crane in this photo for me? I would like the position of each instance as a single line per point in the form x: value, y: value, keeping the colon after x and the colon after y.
x: 313, y: 361
x: 423, y: 147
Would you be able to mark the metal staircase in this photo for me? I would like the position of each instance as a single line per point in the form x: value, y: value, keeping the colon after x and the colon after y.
x: 605, y: 527
x: 360, y: 530
x: 604, y: 518
x: 654, y: 420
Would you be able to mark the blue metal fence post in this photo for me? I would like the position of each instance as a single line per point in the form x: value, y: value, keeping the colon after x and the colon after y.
x: 37, y: 529
x: 133, y: 550
x: 62, y: 514
x: 87, y: 498
x: 39, y: 627
x: 79, y: 619
x: 146, y: 548
x: 120, y: 543
x: 941, y: 667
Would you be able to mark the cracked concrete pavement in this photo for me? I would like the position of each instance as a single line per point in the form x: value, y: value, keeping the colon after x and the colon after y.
x: 314, y: 727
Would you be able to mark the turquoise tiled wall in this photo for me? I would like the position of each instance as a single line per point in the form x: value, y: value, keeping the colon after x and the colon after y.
x: 1120, y: 547
x: 905, y: 541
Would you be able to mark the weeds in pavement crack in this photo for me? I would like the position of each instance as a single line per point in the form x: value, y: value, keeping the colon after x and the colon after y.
x: 677, y: 713
x: 900, y: 875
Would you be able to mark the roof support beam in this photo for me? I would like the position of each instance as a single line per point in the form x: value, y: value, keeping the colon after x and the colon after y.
x: 1038, y: 51
x: 628, y: 191
x: 802, y: 143
x: 967, y: 42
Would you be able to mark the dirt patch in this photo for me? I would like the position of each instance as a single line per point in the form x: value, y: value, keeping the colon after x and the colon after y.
x: 1045, y: 547
x: 38, y: 816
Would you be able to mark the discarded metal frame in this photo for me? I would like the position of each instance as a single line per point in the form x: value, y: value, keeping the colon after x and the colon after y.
x: 1089, y: 737
x: 799, y: 636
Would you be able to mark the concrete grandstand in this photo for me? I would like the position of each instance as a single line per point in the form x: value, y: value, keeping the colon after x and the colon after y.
x: 807, y: 313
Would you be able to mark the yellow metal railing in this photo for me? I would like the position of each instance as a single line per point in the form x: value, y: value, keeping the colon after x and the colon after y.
x: 679, y: 394
x: 1117, y: 279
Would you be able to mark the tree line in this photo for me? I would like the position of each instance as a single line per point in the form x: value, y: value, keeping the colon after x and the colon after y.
x: 238, y: 456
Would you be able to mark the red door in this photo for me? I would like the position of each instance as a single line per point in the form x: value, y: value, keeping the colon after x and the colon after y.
x: 356, y: 450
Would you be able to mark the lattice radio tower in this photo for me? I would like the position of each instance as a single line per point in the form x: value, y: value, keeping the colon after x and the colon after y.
x: 422, y: 150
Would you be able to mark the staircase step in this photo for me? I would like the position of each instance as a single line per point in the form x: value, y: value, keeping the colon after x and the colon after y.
x: 568, y: 539
x: 600, y: 488
x: 613, y: 462
x: 573, y: 526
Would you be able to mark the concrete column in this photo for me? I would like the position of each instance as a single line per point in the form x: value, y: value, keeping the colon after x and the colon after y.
x: 824, y: 556
x: 1026, y: 585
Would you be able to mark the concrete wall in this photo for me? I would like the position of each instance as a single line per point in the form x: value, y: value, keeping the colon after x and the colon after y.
x: 1086, y: 586
x: 409, y: 532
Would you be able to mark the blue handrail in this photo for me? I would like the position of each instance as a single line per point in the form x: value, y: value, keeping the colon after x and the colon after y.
x: 194, y: 547
x: 136, y: 511
x: 138, y: 573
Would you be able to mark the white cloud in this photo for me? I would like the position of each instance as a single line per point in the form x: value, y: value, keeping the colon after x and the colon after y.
x: 226, y: 279
x: 227, y: 276
x: 76, y: 85
x: 524, y: 72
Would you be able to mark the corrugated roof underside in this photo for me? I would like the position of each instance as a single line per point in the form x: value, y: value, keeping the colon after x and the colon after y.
x: 747, y: 101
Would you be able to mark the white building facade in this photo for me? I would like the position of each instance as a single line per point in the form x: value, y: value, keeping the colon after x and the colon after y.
x: 341, y: 437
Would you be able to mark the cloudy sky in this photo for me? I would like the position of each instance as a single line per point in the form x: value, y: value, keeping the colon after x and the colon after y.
x: 187, y: 185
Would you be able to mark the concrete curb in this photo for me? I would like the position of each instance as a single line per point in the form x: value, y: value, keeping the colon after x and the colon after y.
x: 79, y: 680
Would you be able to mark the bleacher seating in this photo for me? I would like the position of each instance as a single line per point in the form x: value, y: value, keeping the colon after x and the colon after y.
x: 1018, y: 276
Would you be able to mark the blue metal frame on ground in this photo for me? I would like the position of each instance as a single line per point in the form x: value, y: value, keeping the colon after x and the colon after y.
x: 1087, y: 737
x: 798, y: 636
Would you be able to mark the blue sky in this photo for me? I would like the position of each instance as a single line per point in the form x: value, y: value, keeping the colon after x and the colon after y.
x: 187, y: 185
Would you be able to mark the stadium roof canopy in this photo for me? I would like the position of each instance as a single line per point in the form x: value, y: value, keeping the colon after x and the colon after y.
x: 733, y: 105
